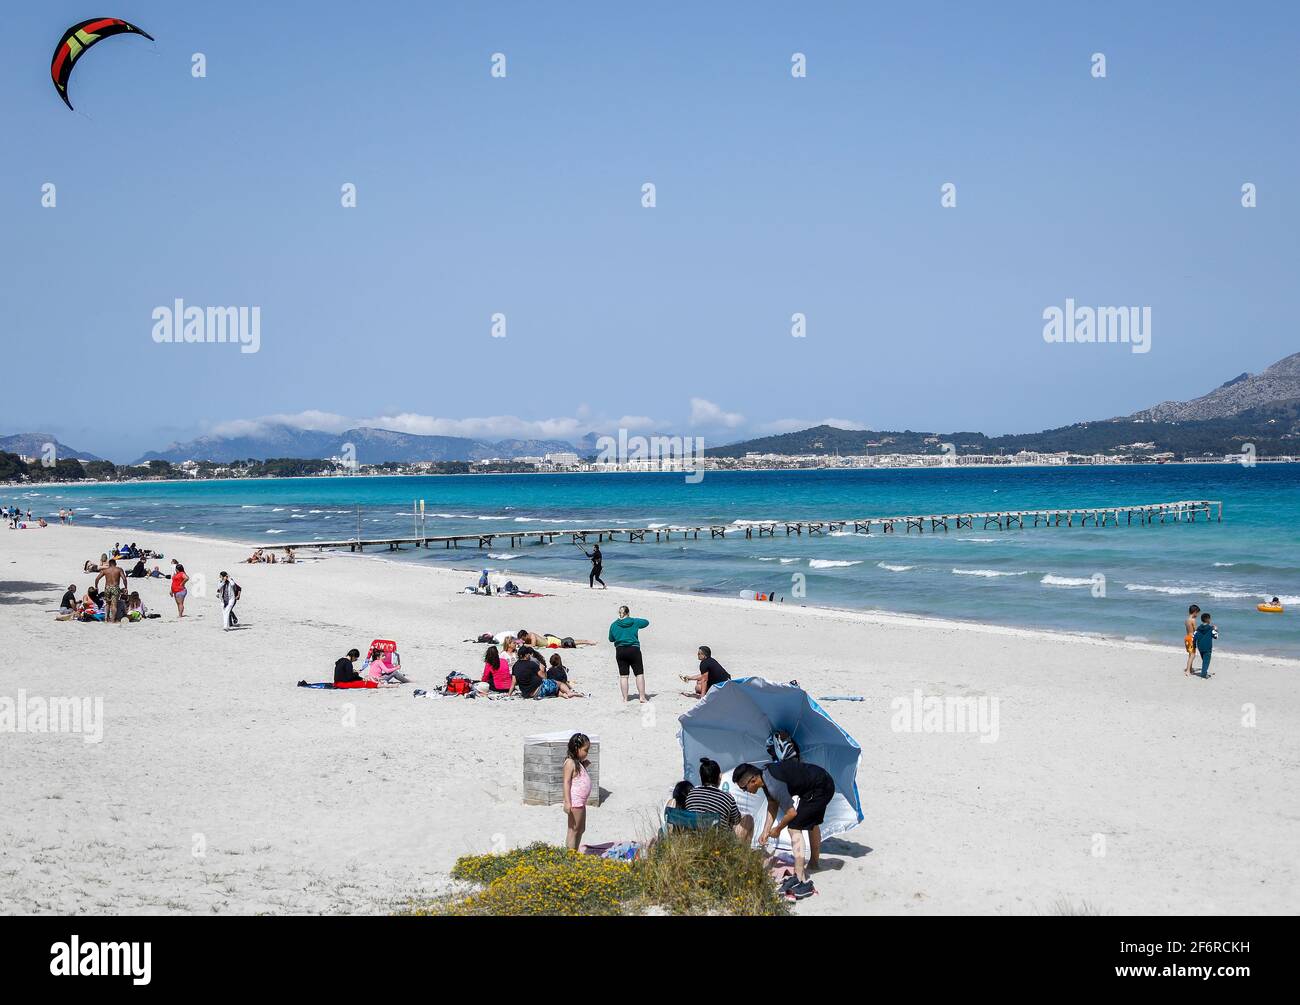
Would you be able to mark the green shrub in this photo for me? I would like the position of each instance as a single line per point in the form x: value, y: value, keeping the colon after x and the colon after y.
x: 688, y: 872
x: 708, y: 872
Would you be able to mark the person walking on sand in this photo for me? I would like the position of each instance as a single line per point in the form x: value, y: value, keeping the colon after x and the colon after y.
x: 178, y: 589
x: 114, y: 580
x: 577, y: 787
x: 1189, y: 637
x: 597, y: 564
x: 228, y: 593
x: 627, y: 650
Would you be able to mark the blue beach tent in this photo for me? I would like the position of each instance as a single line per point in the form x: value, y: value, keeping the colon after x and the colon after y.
x: 733, y: 723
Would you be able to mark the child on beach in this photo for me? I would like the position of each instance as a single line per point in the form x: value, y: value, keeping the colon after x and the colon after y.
x: 1206, y: 633
x: 577, y: 787
x: 1189, y: 637
x: 557, y: 672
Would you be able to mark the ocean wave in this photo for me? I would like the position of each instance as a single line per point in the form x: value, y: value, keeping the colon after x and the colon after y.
x: 895, y: 568
x: 1050, y: 580
x: 1285, y: 600
x: 278, y: 509
x: 297, y: 516
x: 1224, y: 565
x: 100, y: 516
x: 829, y: 563
x: 978, y: 540
x: 275, y: 532
x: 986, y: 573
x: 1218, y: 593
x: 503, y: 556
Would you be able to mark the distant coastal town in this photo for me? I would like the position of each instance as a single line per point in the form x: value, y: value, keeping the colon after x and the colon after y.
x: 21, y: 469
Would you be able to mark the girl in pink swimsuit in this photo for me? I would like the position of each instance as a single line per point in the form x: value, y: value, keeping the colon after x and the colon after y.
x: 577, y: 787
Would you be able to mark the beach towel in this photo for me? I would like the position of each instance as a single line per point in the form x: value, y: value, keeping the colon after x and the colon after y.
x: 331, y: 686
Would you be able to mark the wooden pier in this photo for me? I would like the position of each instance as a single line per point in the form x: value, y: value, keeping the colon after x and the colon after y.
x: 1184, y: 511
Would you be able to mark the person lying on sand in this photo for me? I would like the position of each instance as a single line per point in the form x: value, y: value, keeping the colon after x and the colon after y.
x: 549, y: 641
x: 711, y: 673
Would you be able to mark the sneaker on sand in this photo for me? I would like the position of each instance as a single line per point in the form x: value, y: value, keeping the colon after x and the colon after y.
x: 801, y: 890
x: 787, y: 883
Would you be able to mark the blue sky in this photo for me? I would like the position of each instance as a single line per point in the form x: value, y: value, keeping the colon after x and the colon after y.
x: 522, y: 196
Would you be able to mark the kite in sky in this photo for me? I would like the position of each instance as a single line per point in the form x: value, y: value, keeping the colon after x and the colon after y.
x: 80, y: 37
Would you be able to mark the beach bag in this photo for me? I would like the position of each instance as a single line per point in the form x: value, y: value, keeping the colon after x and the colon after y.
x: 458, y: 683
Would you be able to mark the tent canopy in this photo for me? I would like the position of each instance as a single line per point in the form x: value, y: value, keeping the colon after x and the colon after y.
x: 733, y: 722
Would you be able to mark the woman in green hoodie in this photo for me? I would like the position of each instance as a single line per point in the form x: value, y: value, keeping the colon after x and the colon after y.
x: 627, y: 650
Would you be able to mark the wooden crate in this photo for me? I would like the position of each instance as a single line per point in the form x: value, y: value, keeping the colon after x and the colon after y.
x: 544, y: 756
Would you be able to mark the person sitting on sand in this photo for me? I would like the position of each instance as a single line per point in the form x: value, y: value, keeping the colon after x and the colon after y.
x: 289, y: 556
x: 711, y: 673
x: 558, y: 675
x: 1189, y: 636
x: 496, y: 672
x: 135, y: 609
x: 707, y: 797
x: 782, y: 783
x: 138, y: 570
x: 69, y: 601
x: 681, y: 792
x: 484, y: 586
x: 384, y: 668
x: 345, y: 673
x: 528, y: 677
x: 255, y: 557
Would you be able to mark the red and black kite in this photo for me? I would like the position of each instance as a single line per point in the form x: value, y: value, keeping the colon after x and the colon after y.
x: 80, y: 37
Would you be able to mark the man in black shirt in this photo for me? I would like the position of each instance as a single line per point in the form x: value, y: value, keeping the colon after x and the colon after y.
x: 711, y: 673
x: 344, y: 671
x: 782, y: 783
x: 69, y: 601
x: 527, y: 672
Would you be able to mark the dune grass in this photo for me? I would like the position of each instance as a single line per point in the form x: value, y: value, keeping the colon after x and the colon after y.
x: 696, y: 872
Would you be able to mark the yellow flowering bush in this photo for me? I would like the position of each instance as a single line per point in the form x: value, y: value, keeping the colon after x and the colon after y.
x: 692, y: 872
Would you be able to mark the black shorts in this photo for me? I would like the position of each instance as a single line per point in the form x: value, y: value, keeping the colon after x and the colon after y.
x: 811, y: 810
x: 629, y: 659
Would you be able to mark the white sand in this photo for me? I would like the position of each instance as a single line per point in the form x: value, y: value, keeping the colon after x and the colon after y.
x: 300, y: 811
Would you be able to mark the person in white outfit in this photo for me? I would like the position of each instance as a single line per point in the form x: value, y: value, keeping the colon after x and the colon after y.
x: 228, y: 592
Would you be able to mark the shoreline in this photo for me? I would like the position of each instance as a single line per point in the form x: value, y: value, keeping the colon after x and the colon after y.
x: 502, y: 474
x: 874, y: 616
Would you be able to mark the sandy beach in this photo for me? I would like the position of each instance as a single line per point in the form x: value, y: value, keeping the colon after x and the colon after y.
x: 219, y: 786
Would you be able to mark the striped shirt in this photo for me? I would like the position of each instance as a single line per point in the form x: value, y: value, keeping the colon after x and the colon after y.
x: 707, y: 799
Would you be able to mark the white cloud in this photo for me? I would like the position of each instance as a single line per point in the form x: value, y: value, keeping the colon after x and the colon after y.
x: 708, y: 415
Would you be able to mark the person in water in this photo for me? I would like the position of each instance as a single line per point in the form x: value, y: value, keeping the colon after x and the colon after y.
x: 597, y: 565
x: 1206, y: 633
x: 627, y: 650
x: 1189, y: 637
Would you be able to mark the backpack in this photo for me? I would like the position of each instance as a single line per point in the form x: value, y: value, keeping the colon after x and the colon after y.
x: 457, y: 683
x: 781, y: 747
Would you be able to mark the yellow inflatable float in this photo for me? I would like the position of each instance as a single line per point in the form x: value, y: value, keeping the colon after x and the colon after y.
x: 1269, y: 608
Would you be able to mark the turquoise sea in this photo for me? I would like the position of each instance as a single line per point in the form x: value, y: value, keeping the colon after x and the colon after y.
x: 1033, y: 578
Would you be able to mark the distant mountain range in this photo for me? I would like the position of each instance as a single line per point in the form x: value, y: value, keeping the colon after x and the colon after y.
x: 1280, y: 382
x: 34, y: 444
x: 373, y: 446
x: 1263, y: 409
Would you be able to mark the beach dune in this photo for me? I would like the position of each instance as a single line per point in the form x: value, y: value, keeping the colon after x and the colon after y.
x: 1089, y: 774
